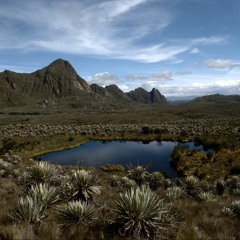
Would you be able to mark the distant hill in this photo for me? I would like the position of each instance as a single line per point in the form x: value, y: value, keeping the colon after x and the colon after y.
x: 217, y: 98
x: 59, y: 82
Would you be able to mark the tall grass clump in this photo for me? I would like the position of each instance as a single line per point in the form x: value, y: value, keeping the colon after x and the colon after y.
x: 75, y: 213
x: 84, y: 185
x: 140, y: 212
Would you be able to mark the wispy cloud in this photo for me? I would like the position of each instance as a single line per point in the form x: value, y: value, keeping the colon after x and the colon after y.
x: 222, y: 63
x: 109, y: 29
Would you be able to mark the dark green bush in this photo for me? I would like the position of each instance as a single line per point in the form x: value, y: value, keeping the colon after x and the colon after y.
x: 9, y: 144
x: 147, y: 130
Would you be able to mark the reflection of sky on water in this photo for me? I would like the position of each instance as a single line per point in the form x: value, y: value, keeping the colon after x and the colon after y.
x: 156, y: 154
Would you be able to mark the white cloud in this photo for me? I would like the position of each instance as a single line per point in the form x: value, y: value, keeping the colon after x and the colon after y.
x: 221, y: 63
x: 109, y: 29
x: 104, y: 79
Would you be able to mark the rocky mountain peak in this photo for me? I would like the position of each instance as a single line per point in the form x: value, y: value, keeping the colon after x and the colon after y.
x: 140, y: 94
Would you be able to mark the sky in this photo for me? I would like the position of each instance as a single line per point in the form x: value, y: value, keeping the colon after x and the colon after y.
x: 181, y: 47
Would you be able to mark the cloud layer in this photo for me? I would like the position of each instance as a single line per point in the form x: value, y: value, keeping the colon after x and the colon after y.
x: 110, y: 29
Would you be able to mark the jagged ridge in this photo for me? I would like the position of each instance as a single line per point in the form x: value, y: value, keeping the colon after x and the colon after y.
x: 59, y: 80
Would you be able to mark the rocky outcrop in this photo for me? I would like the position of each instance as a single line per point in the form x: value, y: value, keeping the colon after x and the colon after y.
x: 140, y: 94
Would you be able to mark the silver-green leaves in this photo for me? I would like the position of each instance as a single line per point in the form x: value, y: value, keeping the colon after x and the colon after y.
x: 140, y: 212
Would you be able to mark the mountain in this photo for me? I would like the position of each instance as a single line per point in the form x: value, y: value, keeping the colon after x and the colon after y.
x: 111, y: 92
x: 59, y: 79
x: 140, y: 94
x: 59, y: 82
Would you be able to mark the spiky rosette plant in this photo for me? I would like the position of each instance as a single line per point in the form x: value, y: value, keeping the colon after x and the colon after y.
x: 235, y: 206
x: 191, y: 184
x: 44, y: 194
x: 191, y: 181
x: 28, y: 210
x: 140, y: 212
x: 206, y: 196
x: 127, y: 183
x: 139, y: 174
x: 39, y: 173
x: 84, y: 185
x: 75, y: 213
x: 174, y: 193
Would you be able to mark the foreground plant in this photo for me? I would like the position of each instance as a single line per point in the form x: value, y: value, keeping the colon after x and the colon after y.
x: 84, y: 185
x: 44, y: 194
x: 41, y: 172
x: 28, y: 210
x: 232, y: 210
x: 75, y: 213
x: 141, y: 213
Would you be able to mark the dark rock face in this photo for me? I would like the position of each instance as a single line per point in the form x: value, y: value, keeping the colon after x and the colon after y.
x: 140, y: 94
x: 157, y: 97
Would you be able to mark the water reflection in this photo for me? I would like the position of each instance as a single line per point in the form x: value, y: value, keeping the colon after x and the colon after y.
x: 98, y: 153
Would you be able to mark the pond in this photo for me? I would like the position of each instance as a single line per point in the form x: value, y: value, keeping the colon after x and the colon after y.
x: 154, y: 154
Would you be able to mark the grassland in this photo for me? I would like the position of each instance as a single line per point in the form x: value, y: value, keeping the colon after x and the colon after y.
x: 27, y: 132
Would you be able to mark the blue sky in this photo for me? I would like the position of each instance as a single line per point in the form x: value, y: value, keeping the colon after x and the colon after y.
x: 181, y: 47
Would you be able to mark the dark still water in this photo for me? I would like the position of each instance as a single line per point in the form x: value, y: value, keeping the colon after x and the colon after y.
x: 97, y: 153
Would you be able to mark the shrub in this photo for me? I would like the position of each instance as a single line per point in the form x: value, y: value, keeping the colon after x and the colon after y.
x: 140, y: 212
x: 139, y: 174
x: 146, y: 130
x: 70, y: 139
x: 75, y: 213
x: 156, y: 179
x: 9, y: 144
x: 84, y: 187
